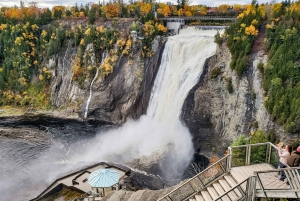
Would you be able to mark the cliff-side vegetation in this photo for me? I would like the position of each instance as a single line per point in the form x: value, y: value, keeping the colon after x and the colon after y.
x: 281, y: 79
x: 281, y: 75
x: 28, y: 40
x: 241, y: 35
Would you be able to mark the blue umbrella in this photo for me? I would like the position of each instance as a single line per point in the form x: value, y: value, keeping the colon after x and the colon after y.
x: 103, y: 178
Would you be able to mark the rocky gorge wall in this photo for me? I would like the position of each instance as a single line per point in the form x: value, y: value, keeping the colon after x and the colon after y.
x: 216, y: 117
x: 120, y: 95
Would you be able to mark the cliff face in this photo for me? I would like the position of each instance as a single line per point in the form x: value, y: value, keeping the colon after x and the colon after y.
x: 122, y: 94
x: 216, y: 117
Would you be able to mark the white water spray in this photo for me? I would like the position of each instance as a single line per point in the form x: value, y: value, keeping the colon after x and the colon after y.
x: 160, y: 134
x: 104, y: 55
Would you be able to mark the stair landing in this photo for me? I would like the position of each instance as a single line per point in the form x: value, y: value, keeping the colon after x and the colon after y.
x: 269, y: 180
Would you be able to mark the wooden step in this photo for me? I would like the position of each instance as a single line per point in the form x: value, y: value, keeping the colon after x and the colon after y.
x: 199, y: 198
x: 232, y: 183
x: 212, y: 192
x: 206, y: 196
x: 232, y: 195
x: 221, y: 191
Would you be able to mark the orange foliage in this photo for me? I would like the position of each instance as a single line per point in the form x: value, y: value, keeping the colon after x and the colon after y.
x: 145, y: 9
x: 112, y: 10
x: 81, y: 14
x: 166, y: 11
x: 223, y: 8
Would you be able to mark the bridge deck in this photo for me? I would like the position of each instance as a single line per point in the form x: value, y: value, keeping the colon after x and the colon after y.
x: 269, y: 180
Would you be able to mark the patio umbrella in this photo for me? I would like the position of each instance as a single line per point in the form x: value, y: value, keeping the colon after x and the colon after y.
x: 103, y: 178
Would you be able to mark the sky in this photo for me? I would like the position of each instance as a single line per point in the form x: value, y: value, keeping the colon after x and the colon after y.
x: 50, y: 3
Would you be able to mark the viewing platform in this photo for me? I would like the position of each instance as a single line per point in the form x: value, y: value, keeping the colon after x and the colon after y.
x: 247, y: 172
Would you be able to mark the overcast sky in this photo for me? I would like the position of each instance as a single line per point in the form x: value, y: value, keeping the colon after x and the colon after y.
x: 50, y: 3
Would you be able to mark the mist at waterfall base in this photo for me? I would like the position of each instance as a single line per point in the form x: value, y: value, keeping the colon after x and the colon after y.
x: 158, y: 139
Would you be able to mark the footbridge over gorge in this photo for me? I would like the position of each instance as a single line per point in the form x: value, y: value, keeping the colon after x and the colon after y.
x: 175, y: 23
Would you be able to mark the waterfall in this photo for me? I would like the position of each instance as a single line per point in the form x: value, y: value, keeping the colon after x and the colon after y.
x: 104, y: 55
x: 159, y: 137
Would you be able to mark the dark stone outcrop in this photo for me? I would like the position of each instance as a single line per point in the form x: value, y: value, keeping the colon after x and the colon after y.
x: 125, y: 93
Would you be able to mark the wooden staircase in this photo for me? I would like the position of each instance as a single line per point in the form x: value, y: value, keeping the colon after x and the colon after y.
x: 217, y: 189
x: 240, y: 177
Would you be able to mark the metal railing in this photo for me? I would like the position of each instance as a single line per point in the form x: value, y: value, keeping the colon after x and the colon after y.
x: 249, y: 188
x: 266, y: 188
x: 240, y: 191
x: 242, y: 155
x: 198, y: 182
x: 180, y: 19
x: 250, y: 154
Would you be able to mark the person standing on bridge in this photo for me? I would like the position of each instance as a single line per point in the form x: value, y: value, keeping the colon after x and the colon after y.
x: 283, y: 154
x: 294, y: 160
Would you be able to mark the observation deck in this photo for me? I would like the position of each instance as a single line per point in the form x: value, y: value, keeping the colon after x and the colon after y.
x: 247, y: 172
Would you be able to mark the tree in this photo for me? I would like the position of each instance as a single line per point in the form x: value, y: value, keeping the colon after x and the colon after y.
x: 166, y: 11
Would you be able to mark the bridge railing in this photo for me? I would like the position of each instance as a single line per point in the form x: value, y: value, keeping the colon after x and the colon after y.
x: 199, y: 18
x: 259, y: 185
x: 198, y: 182
x: 264, y: 187
x: 250, y: 154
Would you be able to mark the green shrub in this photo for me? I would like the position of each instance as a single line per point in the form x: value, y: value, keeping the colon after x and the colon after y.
x: 260, y: 67
x: 218, y: 38
x: 215, y: 72
x: 229, y: 85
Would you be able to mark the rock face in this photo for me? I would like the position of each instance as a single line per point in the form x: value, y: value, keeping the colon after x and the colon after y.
x: 125, y: 93
x: 216, y: 117
x: 120, y: 95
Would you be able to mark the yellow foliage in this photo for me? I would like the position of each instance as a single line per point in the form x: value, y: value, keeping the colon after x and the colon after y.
x: 188, y: 13
x: 251, y: 30
x: 41, y: 77
x: 295, y: 7
x: 35, y: 62
x: 76, y: 70
x: 254, y: 22
x: 19, y: 40
x: 3, y: 26
x: 82, y: 42
x: 100, y: 29
x: 241, y: 15
x: 44, y: 33
x: 166, y: 11
x: 88, y: 32
x: 81, y: 14
x: 145, y: 9
x: 1, y: 69
x: 34, y: 27
x: 161, y: 27
x: 276, y: 7
x: 22, y: 81
x: 269, y: 26
x: 243, y: 25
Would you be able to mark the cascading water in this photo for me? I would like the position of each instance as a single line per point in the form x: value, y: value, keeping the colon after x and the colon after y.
x: 159, y: 136
x: 104, y: 55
